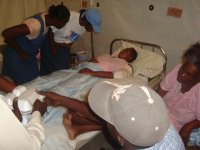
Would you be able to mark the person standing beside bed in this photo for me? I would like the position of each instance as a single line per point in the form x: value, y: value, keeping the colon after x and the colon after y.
x: 56, y: 54
x: 135, y: 115
x: 25, y: 40
x: 112, y: 66
x: 15, y: 136
x: 180, y: 90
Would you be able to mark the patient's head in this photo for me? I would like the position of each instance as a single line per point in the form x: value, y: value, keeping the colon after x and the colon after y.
x: 136, y: 115
x: 128, y: 54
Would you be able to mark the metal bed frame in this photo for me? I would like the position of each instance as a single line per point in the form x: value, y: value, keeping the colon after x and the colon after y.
x: 153, y: 82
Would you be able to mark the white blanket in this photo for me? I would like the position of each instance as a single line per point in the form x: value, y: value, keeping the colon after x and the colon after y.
x: 68, y: 83
x: 72, y: 84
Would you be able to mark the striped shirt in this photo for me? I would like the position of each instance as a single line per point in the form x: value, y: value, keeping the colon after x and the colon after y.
x: 171, y: 141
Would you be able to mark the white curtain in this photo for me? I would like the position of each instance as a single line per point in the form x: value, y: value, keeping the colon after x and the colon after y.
x: 12, y: 12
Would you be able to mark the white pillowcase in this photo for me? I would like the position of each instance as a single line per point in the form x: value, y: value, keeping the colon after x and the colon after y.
x: 148, y: 63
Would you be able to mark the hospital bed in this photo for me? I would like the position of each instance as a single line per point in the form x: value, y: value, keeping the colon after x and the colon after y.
x: 75, y: 85
x: 72, y: 84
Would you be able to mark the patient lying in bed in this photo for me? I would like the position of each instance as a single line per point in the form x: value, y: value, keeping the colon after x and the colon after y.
x: 71, y: 84
x: 112, y: 66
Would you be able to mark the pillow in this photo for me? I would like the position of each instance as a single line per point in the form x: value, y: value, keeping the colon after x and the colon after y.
x: 148, y: 63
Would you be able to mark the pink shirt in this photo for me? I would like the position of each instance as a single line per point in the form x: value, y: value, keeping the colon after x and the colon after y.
x: 110, y: 63
x: 182, y: 107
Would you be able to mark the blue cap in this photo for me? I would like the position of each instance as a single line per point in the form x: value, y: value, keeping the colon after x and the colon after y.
x: 94, y: 17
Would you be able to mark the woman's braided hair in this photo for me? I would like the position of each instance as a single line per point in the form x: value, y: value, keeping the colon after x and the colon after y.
x: 59, y: 11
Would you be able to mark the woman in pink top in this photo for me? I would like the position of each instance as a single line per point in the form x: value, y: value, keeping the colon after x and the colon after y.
x: 180, y: 89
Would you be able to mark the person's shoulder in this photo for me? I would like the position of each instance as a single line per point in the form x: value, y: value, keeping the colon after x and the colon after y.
x: 174, y: 70
x: 176, y: 67
x: 172, y: 140
x: 33, y: 19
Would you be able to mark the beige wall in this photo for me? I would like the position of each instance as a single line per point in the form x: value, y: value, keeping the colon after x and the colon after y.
x: 71, y: 4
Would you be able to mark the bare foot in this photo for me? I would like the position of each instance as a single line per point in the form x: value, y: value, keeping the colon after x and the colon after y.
x: 69, y: 127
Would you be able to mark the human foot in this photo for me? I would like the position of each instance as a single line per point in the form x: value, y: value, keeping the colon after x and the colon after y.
x: 69, y: 127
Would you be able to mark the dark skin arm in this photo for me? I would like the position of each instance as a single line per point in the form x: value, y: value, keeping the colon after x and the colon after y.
x: 187, y: 129
x: 52, y: 42
x: 93, y: 59
x: 40, y: 106
x: 101, y: 74
x: 11, y: 33
x: 161, y: 92
x: 37, y: 106
x: 54, y: 46
x: 16, y: 110
x: 72, y: 104
x: 6, y: 85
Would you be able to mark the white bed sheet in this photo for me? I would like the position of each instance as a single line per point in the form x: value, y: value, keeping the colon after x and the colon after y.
x: 72, y: 84
x: 56, y: 137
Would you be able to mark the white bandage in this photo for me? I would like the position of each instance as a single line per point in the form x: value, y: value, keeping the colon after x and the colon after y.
x: 9, y: 97
x: 26, y: 99
x: 19, y: 90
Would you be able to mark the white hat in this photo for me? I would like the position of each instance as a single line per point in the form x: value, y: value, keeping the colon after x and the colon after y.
x: 137, y: 112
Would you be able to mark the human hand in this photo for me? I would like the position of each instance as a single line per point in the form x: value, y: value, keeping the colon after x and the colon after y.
x: 187, y: 129
x: 16, y: 110
x: 52, y: 98
x: 93, y: 59
x: 40, y: 106
x: 86, y: 71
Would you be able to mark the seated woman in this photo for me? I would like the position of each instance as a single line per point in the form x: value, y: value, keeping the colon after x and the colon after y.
x: 180, y: 89
x: 110, y: 65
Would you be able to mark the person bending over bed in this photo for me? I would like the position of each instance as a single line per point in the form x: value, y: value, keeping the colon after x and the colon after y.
x: 23, y: 42
x: 111, y: 65
x: 116, y: 102
x: 13, y: 134
x: 180, y: 90
x: 58, y: 57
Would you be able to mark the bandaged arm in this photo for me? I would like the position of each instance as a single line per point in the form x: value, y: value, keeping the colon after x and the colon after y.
x: 17, y: 136
x: 126, y: 72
